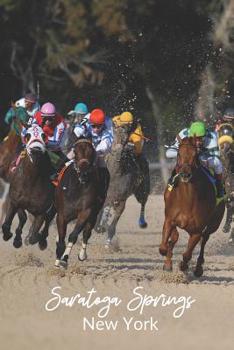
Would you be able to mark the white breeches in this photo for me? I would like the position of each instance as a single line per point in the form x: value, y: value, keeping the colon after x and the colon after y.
x: 212, y: 162
x: 171, y: 153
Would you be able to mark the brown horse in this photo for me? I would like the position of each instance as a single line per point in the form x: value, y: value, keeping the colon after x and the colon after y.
x: 78, y: 197
x: 31, y: 190
x: 191, y: 206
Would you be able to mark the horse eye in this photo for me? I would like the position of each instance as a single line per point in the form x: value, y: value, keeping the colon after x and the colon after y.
x: 27, y: 137
x: 43, y: 137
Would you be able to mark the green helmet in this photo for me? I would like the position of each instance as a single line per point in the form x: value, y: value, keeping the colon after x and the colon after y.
x: 197, y: 129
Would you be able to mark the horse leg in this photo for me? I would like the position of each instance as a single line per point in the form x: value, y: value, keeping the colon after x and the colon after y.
x: 227, y: 225
x: 33, y: 236
x: 12, y: 210
x: 142, y: 223
x: 167, y: 229
x: 172, y: 241
x: 86, y: 235
x: 141, y: 193
x: 17, y: 243
x: 231, y: 238
x: 192, y: 242
x: 112, y: 227
x: 81, y: 222
x: 198, y: 272
x: 60, y: 242
x: 5, y: 204
x: 45, y: 231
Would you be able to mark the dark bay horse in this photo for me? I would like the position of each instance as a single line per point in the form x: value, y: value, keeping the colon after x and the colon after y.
x: 191, y: 206
x: 226, y: 145
x: 31, y: 190
x: 77, y: 197
x: 126, y: 178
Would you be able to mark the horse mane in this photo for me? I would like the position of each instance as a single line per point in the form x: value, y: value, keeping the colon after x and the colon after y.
x: 83, y: 140
x: 188, y: 141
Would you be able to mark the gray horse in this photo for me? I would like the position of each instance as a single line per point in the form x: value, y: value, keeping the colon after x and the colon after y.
x: 227, y: 156
x: 129, y: 175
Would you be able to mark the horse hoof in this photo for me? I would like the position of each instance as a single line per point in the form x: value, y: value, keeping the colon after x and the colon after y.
x: 142, y: 224
x: 63, y: 264
x: 17, y: 243
x: 183, y: 266
x: 226, y: 229
x: 7, y: 236
x: 34, y: 239
x: 108, y: 244
x: 163, y: 251
x: 42, y: 244
x: 100, y: 229
x: 82, y: 256
x: 198, y: 272
x: 60, y: 263
x: 167, y: 268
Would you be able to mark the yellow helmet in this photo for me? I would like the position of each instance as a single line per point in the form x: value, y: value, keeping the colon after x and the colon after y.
x: 126, y: 117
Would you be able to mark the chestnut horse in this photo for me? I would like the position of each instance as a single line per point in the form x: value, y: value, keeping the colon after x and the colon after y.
x: 191, y: 206
x: 78, y: 196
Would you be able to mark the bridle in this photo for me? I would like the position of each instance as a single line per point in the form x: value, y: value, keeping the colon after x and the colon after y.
x: 180, y: 168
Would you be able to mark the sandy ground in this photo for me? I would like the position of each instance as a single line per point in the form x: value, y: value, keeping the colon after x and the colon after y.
x: 27, y: 277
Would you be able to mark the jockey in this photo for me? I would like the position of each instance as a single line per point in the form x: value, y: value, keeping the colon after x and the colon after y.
x: 53, y: 126
x: 102, y: 138
x: 29, y: 103
x: 80, y: 113
x: 136, y: 138
x: 209, y: 155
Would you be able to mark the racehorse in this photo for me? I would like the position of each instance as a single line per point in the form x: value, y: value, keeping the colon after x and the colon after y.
x: 8, y: 150
x: 77, y: 197
x: 31, y: 190
x: 191, y: 206
x: 126, y: 178
x: 226, y: 144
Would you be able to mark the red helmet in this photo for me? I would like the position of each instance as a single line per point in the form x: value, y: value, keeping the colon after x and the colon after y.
x: 97, y: 117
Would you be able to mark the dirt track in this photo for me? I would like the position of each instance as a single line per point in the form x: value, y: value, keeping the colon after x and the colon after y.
x: 27, y: 276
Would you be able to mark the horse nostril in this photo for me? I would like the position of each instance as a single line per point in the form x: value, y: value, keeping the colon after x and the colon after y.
x: 83, y: 164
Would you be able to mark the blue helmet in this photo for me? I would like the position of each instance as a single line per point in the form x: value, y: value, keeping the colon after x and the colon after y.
x: 81, y: 108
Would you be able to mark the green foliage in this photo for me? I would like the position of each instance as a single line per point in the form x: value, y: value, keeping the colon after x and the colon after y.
x: 108, y: 52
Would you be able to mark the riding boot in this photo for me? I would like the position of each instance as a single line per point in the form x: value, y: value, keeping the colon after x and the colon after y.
x: 219, y: 185
x: 58, y: 164
x: 104, y: 183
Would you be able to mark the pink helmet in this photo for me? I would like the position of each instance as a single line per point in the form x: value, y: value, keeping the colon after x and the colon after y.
x: 48, y: 110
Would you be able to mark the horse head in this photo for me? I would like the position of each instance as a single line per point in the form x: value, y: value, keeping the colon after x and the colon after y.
x: 85, y: 156
x: 35, y: 139
x: 121, y: 136
x: 225, y: 137
x: 187, y: 158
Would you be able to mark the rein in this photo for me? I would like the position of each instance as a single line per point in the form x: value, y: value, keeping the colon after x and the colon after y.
x: 185, y: 177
